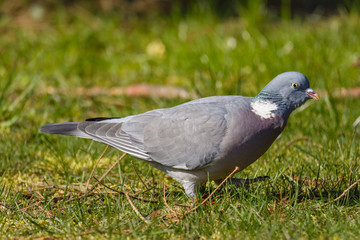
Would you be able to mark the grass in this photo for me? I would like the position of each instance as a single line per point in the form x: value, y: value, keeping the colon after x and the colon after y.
x: 41, y: 175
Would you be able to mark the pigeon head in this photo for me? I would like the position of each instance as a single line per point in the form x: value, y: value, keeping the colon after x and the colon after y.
x: 286, y: 92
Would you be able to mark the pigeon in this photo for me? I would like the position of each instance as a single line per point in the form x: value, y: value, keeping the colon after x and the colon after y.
x: 204, y: 139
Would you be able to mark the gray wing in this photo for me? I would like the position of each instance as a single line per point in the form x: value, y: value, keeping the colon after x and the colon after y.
x: 186, y: 137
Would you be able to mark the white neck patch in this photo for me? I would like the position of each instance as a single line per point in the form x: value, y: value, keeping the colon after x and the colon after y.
x: 264, y: 109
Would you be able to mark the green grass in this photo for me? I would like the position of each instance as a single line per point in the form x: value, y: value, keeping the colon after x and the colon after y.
x: 73, y: 48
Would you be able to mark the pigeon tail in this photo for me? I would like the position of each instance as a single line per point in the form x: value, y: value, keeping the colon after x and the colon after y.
x: 68, y: 128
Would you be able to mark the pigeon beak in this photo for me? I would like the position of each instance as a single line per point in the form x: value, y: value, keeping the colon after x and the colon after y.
x: 312, y: 94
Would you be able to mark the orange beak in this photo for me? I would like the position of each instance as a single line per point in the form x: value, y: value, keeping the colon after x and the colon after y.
x: 312, y: 94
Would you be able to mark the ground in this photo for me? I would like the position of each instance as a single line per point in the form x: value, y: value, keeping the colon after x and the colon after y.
x: 71, y: 64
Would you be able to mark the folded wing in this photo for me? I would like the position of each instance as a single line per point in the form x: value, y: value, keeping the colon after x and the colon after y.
x: 184, y: 137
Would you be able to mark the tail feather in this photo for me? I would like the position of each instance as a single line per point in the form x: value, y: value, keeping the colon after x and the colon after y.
x: 68, y: 128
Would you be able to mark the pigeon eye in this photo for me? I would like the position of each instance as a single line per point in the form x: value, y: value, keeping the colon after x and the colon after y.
x: 294, y: 85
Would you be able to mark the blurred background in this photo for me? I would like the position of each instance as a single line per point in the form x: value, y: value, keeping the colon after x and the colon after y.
x: 204, y: 47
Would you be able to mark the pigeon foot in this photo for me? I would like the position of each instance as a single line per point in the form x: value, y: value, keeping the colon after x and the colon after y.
x: 240, y: 182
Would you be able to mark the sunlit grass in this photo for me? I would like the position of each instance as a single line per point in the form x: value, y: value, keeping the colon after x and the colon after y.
x: 41, y: 175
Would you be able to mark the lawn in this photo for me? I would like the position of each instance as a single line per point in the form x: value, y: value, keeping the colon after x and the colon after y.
x: 69, y: 64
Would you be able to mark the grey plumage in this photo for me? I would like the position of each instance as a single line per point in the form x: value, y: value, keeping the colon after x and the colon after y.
x: 202, y: 139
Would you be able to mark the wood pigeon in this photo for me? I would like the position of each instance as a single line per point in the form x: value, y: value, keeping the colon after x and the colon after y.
x: 204, y: 139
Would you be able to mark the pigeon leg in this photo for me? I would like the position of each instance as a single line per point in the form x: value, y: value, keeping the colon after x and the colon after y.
x: 191, y: 189
x: 239, y: 182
